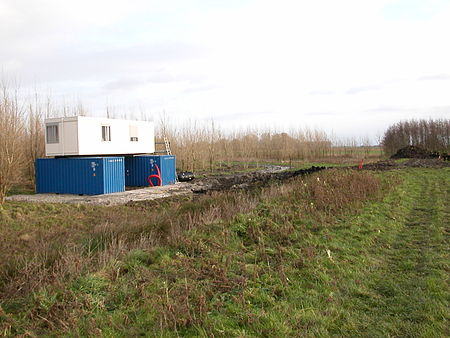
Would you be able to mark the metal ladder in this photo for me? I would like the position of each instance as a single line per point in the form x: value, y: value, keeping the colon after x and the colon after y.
x: 167, y: 145
x: 166, y: 150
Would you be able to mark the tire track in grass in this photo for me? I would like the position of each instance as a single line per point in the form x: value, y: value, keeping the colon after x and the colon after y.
x: 412, y: 287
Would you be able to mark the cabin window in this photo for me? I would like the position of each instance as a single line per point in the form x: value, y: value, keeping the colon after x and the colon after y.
x: 52, y: 133
x: 134, y: 134
x: 106, y: 133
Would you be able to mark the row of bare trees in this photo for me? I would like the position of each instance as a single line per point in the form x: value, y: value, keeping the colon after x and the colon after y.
x: 198, y: 145
x: 205, y: 145
x: 21, y: 138
x: 432, y: 134
x: 202, y: 146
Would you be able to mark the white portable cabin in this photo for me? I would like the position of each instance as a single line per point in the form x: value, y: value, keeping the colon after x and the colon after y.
x: 84, y: 136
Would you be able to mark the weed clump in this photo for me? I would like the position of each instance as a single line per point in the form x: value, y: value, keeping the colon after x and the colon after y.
x: 336, y: 190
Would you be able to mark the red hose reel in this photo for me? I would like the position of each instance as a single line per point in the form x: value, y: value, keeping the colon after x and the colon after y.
x: 157, y: 176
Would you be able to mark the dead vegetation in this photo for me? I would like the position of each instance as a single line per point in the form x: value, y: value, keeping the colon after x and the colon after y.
x: 21, y: 137
x: 38, y: 250
x: 12, y: 130
x: 87, y: 248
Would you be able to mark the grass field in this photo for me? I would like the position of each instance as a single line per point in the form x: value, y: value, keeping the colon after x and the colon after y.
x: 339, y: 253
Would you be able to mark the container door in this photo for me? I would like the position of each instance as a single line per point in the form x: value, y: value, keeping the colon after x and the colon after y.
x: 168, y: 170
x: 114, y: 174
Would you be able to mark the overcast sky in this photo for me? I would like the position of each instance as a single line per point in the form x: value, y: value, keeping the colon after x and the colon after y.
x: 349, y: 66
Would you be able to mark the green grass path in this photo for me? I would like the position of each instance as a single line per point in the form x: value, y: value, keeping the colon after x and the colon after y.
x: 416, y: 262
x: 405, y: 291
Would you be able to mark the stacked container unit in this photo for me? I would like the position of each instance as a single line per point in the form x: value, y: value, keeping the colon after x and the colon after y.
x: 83, y: 176
x: 109, y: 140
x: 141, y: 171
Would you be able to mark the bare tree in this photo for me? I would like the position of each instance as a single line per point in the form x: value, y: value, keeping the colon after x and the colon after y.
x: 12, y: 132
x: 34, y: 146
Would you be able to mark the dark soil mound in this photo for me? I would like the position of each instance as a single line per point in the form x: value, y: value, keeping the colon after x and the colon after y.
x: 409, y: 163
x: 247, y: 180
x: 413, y: 152
x: 426, y: 163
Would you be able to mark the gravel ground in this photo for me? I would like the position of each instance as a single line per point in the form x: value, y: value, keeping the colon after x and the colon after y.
x: 142, y: 194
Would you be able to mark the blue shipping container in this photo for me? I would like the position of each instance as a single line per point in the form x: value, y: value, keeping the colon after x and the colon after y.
x: 139, y: 168
x: 83, y: 175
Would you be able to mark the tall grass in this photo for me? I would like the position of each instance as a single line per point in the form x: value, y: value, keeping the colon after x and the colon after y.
x: 99, y: 228
x: 107, y: 243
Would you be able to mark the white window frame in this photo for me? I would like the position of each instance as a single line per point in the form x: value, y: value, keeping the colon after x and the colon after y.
x: 106, y: 133
x: 52, y: 133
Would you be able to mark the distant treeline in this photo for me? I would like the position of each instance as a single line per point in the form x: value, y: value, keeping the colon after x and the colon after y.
x: 205, y: 146
x: 432, y: 134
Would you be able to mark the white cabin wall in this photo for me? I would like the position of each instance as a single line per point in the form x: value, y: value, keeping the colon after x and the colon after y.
x: 81, y: 135
x: 53, y: 149
x: 69, y: 137
x: 146, y: 132
x: 90, y: 137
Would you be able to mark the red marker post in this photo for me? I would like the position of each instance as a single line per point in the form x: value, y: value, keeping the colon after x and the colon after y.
x: 360, y: 166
